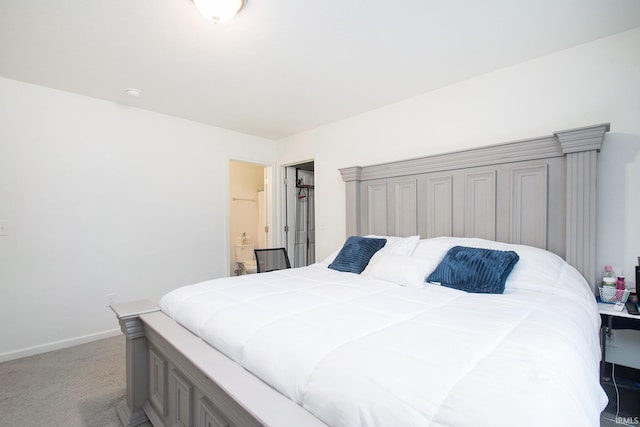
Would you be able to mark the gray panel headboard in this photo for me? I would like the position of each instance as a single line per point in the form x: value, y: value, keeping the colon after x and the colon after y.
x: 539, y: 192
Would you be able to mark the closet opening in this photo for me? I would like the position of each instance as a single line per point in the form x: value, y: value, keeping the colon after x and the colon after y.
x: 299, y: 213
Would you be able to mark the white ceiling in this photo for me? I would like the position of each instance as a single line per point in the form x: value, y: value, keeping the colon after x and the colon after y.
x: 285, y: 66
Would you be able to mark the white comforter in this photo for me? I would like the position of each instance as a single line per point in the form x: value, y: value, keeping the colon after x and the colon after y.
x: 361, y: 352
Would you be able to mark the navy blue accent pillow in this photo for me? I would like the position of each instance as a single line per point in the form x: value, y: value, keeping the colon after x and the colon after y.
x: 356, y: 253
x: 475, y: 270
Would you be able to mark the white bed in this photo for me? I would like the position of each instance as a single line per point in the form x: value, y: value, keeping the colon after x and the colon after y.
x: 357, y: 351
x: 375, y: 352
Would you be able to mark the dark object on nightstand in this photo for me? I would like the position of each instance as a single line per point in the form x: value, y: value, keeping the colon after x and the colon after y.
x: 271, y: 259
x: 632, y: 308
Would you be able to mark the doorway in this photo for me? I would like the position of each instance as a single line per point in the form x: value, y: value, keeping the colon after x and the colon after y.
x: 300, y: 230
x: 249, y: 214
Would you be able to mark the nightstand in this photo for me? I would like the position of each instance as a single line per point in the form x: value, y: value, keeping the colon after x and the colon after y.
x: 628, y: 381
x: 607, y: 313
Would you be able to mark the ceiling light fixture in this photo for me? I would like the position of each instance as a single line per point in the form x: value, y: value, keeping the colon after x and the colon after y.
x: 219, y: 10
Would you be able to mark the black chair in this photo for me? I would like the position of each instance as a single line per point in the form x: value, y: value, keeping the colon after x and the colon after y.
x: 271, y: 259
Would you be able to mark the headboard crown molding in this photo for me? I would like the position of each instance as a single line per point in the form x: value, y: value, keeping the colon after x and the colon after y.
x: 582, y: 139
x: 534, y: 148
x: 351, y: 174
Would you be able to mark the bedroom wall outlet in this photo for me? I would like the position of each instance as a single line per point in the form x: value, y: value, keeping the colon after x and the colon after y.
x: 4, y: 228
x: 110, y: 299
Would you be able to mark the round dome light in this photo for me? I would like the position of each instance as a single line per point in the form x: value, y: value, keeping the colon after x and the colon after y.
x: 219, y: 10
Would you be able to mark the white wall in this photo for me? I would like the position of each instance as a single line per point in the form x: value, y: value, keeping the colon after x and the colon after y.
x: 102, y: 198
x: 590, y: 84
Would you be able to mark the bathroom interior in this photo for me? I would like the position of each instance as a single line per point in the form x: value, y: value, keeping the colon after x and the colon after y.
x: 250, y: 210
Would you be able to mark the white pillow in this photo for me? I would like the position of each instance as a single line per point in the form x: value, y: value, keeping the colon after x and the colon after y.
x: 537, y: 270
x: 397, y: 245
x: 435, y: 247
x: 400, y: 269
x: 394, y: 245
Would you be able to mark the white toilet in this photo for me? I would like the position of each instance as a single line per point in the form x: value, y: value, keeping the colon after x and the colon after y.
x: 246, y: 258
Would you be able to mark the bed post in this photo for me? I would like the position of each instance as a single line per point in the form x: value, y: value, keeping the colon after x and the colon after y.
x: 137, y: 360
x: 351, y: 177
x: 581, y: 147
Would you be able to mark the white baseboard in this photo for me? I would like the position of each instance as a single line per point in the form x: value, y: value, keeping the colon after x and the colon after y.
x: 57, y: 345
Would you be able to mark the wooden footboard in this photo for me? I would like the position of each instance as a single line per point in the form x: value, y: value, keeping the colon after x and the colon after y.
x: 175, y: 379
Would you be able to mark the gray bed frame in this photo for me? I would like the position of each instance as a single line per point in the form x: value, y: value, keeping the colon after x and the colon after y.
x: 539, y: 192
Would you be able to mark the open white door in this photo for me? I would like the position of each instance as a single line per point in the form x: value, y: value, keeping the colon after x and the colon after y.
x: 300, y: 214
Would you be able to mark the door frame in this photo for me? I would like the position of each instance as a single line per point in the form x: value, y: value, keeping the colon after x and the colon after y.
x: 270, y: 207
x: 287, y: 189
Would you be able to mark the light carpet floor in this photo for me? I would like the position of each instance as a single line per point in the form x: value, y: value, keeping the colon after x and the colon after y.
x: 77, y: 386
